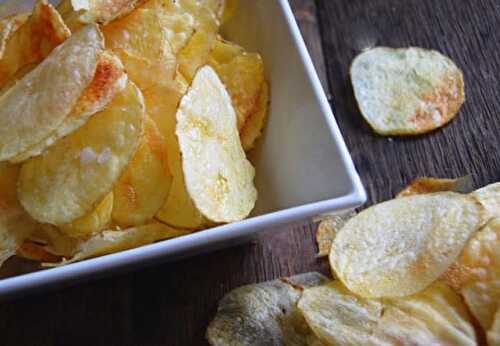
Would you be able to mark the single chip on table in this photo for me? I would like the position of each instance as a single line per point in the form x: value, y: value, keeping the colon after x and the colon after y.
x: 218, y: 176
x: 78, y: 13
x: 399, y: 247
x: 109, y: 79
x: 264, y: 314
x: 112, y: 241
x: 30, y: 41
x: 144, y: 186
x: 328, y: 228
x: 429, y: 185
x: 40, y: 102
x: 406, y: 91
x: 435, y: 316
x: 77, y: 172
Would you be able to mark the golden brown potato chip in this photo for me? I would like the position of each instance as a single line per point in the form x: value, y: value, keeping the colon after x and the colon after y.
x: 48, y: 93
x: 112, y: 241
x: 109, y: 79
x: 77, y: 13
x: 399, y: 247
x: 255, y: 123
x: 79, y: 170
x: 9, y: 26
x: 494, y: 332
x: 32, y: 41
x: 36, y: 252
x: 435, y: 316
x: 328, y: 228
x: 429, y: 185
x: 256, y: 314
x: 143, y: 188
x: 95, y: 221
x: 53, y: 241
x: 406, y: 91
x: 224, y: 52
x: 489, y: 197
x: 218, y: 176
x: 483, y: 300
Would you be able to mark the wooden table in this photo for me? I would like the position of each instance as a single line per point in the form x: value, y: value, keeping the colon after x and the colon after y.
x: 172, y: 304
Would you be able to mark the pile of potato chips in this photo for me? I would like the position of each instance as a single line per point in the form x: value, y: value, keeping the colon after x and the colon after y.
x: 422, y: 269
x: 123, y: 122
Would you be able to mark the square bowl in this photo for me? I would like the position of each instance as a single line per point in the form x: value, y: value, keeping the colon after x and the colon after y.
x: 303, y: 166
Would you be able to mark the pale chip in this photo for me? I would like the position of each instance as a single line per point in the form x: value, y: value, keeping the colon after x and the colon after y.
x: 112, y: 241
x: 31, y: 41
x: 255, y: 123
x: 108, y: 80
x: 328, y: 228
x: 256, y: 314
x: 77, y: 13
x: 435, y: 316
x: 399, y: 247
x: 144, y: 186
x: 217, y: 174
x: 406, y: 91
x: 429, y: 185
x: 95, y: 221
x: 79, y: 170
x: 48, y: 93
x: 483, y: 300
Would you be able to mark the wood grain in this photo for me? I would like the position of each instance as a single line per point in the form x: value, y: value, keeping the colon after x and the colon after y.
x: 172, y: 304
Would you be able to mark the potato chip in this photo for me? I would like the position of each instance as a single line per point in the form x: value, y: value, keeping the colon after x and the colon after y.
x: 429, y: 185
x: 48, y: 93
x: 109, y: 79
x: 435, y: 316
x: 95, y: 221
x: 143, y: 188
x: 78, y: 13
x: 9, y: 26
x: 489, y: 197
x: 32, y: 41
x: 407, y: 91
x: 255, y: 123
x: 36, y: 252
x: 494, y: 332
x: 217, y: 174
x: 112, y: 241
x: 79, y: 170
x: 224, y: 52
x: 328, y: 228
x: 255, y: 314
x: 196, y: 53
x: 483, y: 300
x: 243, y: 77
x: 55, y: 242
x: 399, y: 247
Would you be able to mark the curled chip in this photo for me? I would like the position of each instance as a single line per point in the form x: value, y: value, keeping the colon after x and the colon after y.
x: 328, y: 228
x: 32, y: 41
x: 77, y: 13
x: 143, y: 188
x: 406, y: 91
x: 429, y: 185
x: 112, y: 241
x: 399, y: 247
x: 489, y: 197
x: 263, y: 314
x: 95, y: 221
x: 255, y: 123
x: 40, y: 102
x: 483, y: 300
x: 435, y: 316
x: 217, y: 174
x: 109, y: 79
x: 77, y: 172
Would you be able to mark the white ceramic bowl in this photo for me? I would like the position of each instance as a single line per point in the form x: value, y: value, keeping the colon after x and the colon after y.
x: 303, y: 166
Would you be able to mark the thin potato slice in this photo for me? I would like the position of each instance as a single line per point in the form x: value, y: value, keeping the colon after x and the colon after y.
x: 9, y: 26
x: 78, y: 13
x: 494, y: 332
x: 54, y: 241
x: 429, y: 185
x: 483, y: 300
x: 255, y: 123
x: 262, y: 314
x: 435, y: 316
x: 399, y: 247
x: 489, y: 197
x: 112, y: 241
x: 218, y: 176
x: 143, y: 188
x: 32, y: 41
x: 38, y: 104
x: 36, y: 252
x: 79, y: 170
x: 95, y: 221
x: 196, y: 53
x: 406, y: 91
x: 224, y: 52
x: 109, y: 79
x: 328, y: 229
